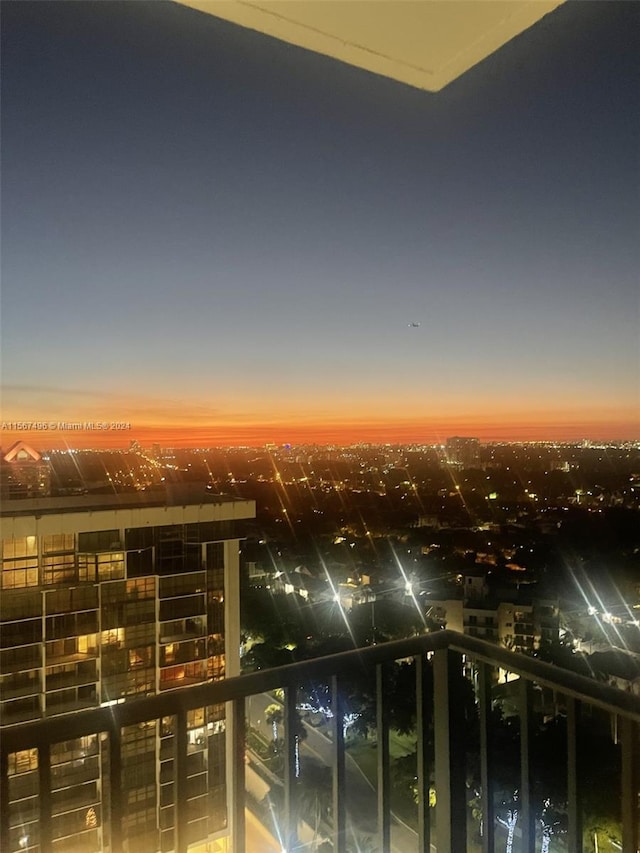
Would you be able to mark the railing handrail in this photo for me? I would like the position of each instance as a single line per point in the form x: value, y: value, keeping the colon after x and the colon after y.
x: 565, y: 681
x: 16, y: 736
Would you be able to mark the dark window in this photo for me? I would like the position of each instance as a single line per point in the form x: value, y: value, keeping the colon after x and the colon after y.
x: 192, y: 558
x: 72, y: 625
x: 169, y: 532
x: 209, y: 531
x: 100, y: 540
x: 215, y: 616
x: 169, y: 551
x: 217, y: 759
x: 20, y: 605
x: 22, y: 633
x: 136, y: 538
x: 186, y: 584
x: 176, y: 608
x: 139, y: 563
x: 25, y: 657
x: 215, y: 556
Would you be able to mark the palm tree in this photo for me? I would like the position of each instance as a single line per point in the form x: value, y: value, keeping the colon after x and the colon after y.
x: 273, y: 715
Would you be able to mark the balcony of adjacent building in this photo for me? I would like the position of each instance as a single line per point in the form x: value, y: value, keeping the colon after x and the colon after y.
x: 441, y: 742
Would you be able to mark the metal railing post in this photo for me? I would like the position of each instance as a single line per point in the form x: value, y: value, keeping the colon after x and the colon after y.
x: 44, y: 795
x: 4, y: 800
x: 181, y: 799
x: 574, y: 809
x: 423, y: 752
x: 238, y: 737
x: 451, y: 816
x: 338, y: 767
x: 290, y: 804
x: 630, y: 784
x: 384, y: 778
x: 115, y: 786
x: 528, y: 843
x: 486, y: 758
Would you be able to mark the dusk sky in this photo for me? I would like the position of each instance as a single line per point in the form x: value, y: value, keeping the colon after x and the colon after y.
x: 220, y: 238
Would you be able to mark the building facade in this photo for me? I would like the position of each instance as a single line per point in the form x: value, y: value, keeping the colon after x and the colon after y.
x: 104, y: 600
x: 517, y: 625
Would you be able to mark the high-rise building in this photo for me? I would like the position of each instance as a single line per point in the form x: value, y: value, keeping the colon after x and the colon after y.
x: 109, y: 599
x: 464, y: 452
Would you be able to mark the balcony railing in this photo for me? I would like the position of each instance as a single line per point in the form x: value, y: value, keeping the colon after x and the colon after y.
x: 439, y: 744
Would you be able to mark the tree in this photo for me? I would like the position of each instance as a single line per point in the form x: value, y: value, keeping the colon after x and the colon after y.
x: 314, y: 794
x: 404, y: 777
x: 512, y: 819
x: 403, y: 708
x: 300, y: 734
x: 552, y: 824
x: 266, y: 656
x: 404, y: 774
x: 273, y: 716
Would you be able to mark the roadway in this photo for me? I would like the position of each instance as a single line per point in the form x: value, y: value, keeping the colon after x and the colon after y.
x: 361, y: 796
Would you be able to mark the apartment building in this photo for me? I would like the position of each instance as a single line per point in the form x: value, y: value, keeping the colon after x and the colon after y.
x: 518, y: 623
x: 105, y: 600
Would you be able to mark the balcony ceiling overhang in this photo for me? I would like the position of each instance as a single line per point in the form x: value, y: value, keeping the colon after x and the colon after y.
x: 424, y: 43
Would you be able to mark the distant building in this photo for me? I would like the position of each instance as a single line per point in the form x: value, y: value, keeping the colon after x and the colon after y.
x: 255, y: 571
x: 464, y: 452
x: 106, y: 599
x: 430, y: 520
x: 24, y: 473
x: 475, y: 584
x: 519, y: 625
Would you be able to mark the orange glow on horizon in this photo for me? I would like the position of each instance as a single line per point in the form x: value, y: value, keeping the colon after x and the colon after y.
x: 335, y: 433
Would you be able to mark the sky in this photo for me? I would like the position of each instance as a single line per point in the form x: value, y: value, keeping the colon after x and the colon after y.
x: 211, y: 237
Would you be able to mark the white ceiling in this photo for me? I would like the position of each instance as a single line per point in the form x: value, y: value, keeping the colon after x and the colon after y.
x: 424, y: 43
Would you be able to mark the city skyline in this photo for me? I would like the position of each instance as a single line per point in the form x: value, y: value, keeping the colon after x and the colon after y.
x: 217, y: 238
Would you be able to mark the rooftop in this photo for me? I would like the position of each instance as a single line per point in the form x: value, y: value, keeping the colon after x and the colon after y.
x: 175, y: 494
